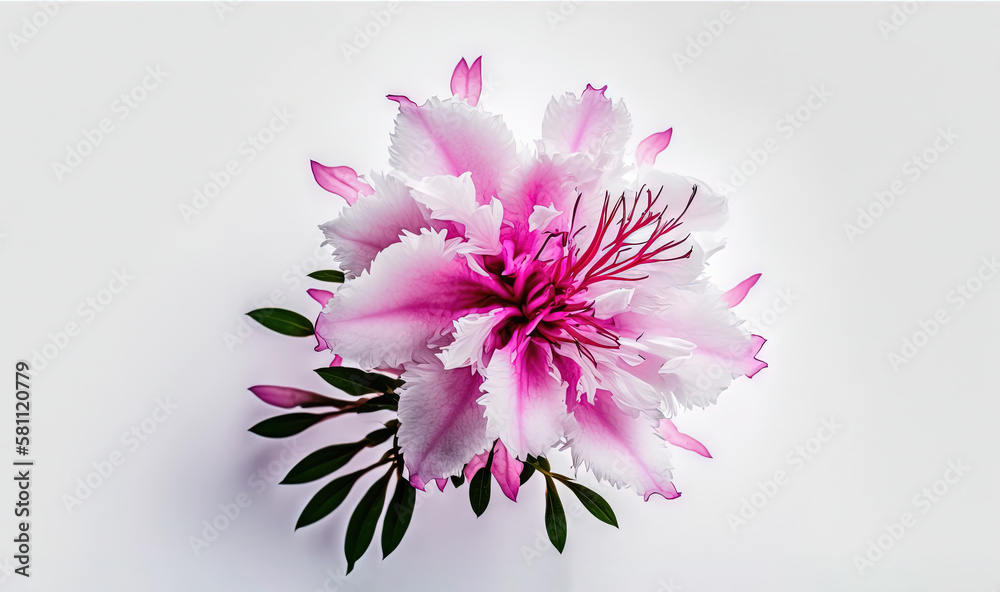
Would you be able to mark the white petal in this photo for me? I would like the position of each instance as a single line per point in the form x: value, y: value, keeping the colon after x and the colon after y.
x: 620, y: 448
x: 611, y: 303
x: 471, y: 334
x: 406, y: 304
x: 525, y: 400
x: 373, y: 223
x: 590, y: 123
x: 441, y: 426
x: 450, y: 137
x: 454, y: 199
x: 541, y: 216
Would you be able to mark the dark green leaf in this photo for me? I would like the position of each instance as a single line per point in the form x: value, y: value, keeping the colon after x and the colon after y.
x: 283, y: 321
x: 361, y: 527
x: 397, y: 517
x: 282, y: 426
x: 328, y: 275
x: 380, y: 435
x: 526, y: 473
x: 458, y: 480
x: 323, y: 462
x: 555, y: 517
x: 594, y: 503
x: 357, y: 382
x: 544, y: 463
x: 380, y: 403
x: 328, y: 499
x: 480, y: 487
x: 479, y: 491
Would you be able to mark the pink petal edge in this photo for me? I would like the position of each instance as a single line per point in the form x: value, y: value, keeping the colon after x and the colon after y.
x: 651, y: 146
x: 506, y: 470
x: 340, y: 180
x: 323, y: 297
x: 285, y: 396
x: 672, y: 435
x: 466, y: 82
x: 738, y: 293
x: 756, y: 343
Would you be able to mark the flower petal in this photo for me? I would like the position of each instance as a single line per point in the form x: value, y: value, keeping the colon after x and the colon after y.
x: 506, y: 470
x: 473, y: 338
x: 323, y: 297
x: 454, y: 199
x: 651, y: 146
x: 590, y: 123
x: 668, y: 431
x: 541, y: 216
x: 524, y: 399
x: 340, y: 180
x: 408, y: 300
x: 754, y: 365
x: 286, y: 396
x: 738, y: 293
x: 466, y: 82
x: 450, y: 138
x: 441, y: 426
x: 619, y: 448
x: 375, y: 222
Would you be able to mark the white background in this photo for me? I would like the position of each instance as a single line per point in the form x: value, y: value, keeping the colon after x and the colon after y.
x: 852, y: 302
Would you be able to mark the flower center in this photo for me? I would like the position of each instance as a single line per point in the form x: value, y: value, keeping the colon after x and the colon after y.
x: 546, y: 295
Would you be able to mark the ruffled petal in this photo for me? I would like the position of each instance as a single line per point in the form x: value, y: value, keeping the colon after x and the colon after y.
x: 718, y: 348
x: 450, y: 138
x: 707, y: 209
x: 454, y: 199
x: 374, y: 223
x: 619, y: 448
x: 473, y: 338
x: 341, y: 180
x: 524, y: 399
x: 396, y: 312
x: 590, y: 123
x: 441, y: 426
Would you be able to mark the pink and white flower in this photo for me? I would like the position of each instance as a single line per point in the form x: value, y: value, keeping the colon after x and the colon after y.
x: 538, y: 296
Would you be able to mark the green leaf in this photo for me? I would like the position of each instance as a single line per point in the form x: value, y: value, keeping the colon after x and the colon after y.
x: 480, y: 487
x: 479, y: 491
x: 380, y: 435
x: 555, y: 517
x: 397, y: 517
x: 526, y: 473
x: 361, y: 527
x: 594, y: 503
x: 328, y: 499
x: 322, y: 462
x: 282, y: 426
x: 328, y: 275
x: 458, y: 480
x: 388, y: 402
x: 283, y: 321
x: 543, y: 463
x: 327, y: 460
x: 357, y: 382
